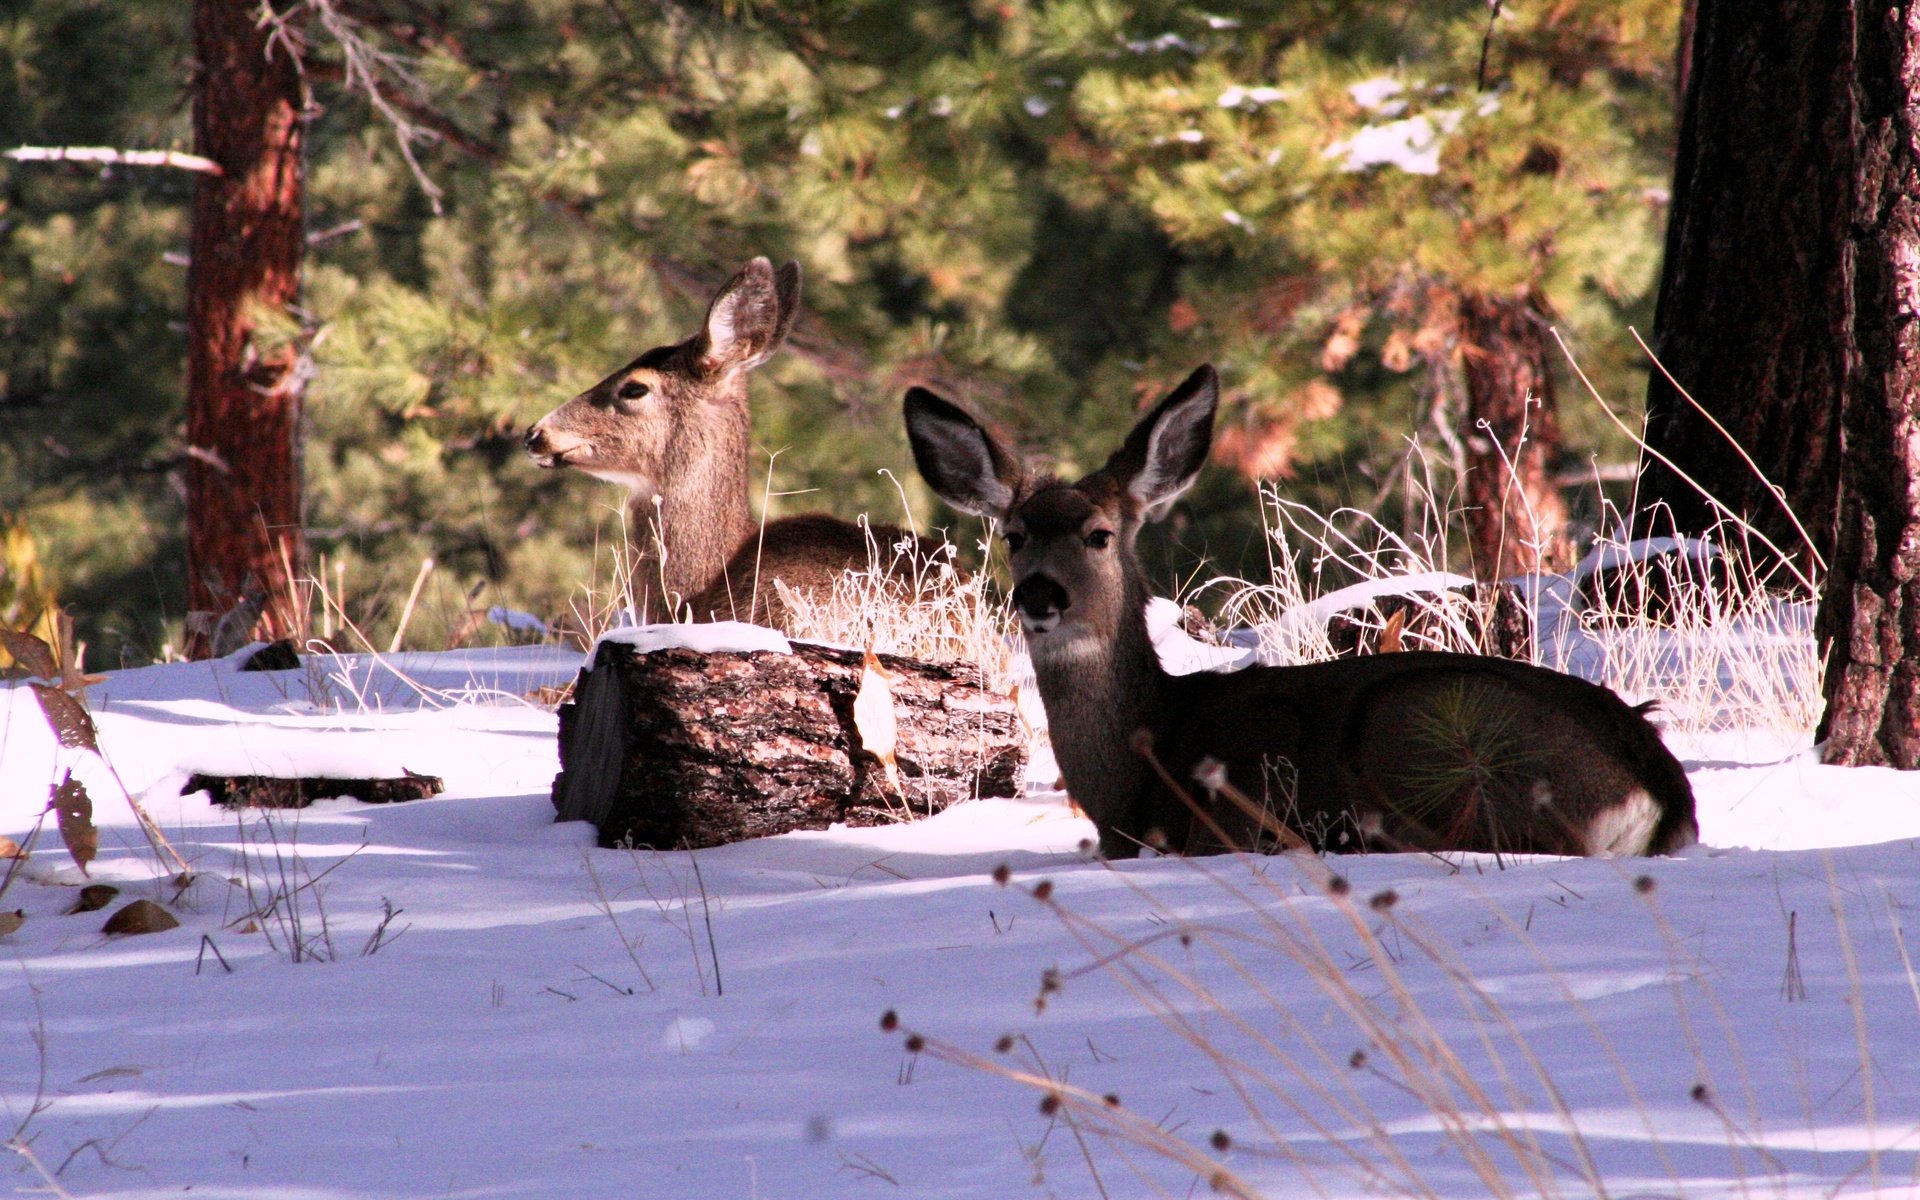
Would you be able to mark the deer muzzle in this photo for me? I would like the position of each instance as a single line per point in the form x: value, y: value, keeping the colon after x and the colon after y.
x: 1040, y: 600
x: 548, y: 449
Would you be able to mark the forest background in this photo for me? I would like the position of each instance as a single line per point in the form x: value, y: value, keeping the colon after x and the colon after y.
x: 1053, y: 211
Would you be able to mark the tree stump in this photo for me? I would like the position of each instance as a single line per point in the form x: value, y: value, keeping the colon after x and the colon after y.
x: 680, y: 749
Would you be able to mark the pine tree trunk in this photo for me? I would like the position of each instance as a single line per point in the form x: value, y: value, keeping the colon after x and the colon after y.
x: 1754, y: 300
x: 243, y: 405
x: 1870, y: 611
x: 1516, y: 520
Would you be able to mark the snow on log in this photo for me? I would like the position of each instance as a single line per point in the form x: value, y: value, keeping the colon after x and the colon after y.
x: 677, y: 747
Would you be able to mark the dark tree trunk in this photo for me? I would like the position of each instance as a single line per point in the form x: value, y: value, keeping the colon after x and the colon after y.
x: 1516, y: 519
x: 680, y: 749
x: 1870, y: 609
x: 243, y: 404
x: 1752, y: 314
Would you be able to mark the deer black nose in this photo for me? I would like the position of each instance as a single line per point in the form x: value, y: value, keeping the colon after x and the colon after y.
x: 536, y: 440
x: 1040, y: 596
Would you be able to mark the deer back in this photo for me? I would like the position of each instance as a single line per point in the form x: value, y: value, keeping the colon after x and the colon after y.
x: 1421, y: 750
x: 808, y: 553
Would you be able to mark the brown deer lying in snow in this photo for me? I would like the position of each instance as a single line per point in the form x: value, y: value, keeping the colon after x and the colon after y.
x: 1416, y: 750
x: 673, y: 427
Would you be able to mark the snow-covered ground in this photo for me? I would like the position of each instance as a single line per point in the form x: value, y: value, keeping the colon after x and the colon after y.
x: 544, y: 1018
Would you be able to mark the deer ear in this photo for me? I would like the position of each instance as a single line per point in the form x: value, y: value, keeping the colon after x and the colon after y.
x: 1163, y: 455
x: 750, y: 316
x: 964, y: 464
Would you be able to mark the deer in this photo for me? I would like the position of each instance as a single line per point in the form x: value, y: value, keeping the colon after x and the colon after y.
x: 1412, y: 750
x: 673, y: 428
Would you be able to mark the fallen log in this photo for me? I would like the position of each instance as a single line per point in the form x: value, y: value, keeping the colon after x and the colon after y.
x: 676, y: 748
x: 273, y: 791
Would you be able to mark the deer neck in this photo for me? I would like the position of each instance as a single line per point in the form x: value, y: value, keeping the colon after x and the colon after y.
x: 1098, y: 692
x: 684, y: 531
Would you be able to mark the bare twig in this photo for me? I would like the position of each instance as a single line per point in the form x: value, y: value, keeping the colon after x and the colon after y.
x: 378, y: 75
x: 109, y: 156
x: 206, y: 944
x: 706, y: 913
x: 606, y: 908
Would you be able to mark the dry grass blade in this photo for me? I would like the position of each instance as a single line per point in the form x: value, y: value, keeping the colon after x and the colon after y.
x: 914, y: 606
x: 1409, y: 1043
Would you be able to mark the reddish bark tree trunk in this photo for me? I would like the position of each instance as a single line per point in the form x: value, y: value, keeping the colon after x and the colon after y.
x: 1870, y: 609
x: 1516, y: 519
x: 243, y: 405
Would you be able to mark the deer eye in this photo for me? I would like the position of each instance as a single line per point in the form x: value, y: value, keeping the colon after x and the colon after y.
x: 1100, y: 539
x: 1015, y: 541
x: 633, y: 389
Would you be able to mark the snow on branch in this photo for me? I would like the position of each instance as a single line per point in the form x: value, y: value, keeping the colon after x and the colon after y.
x: 110, y: 156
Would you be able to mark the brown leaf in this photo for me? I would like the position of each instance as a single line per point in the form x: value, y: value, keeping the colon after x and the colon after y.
x: 72, y: 681
x: 94, y: 897
x: 30, y: 652
x: 74, y: 807
x: 1344, y: 342
x: 141, y: 916
x: 10, y: 921
x: 11, y: 849
x: 873, y: 716
x: 1390, y: 632
x: 68, y: 716
x: 1398, y: 353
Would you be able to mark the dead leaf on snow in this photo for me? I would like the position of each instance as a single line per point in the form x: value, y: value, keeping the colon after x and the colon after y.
x: 74, y: 808
x: 94, y: 897
x: 30, y: 652
x: 141, y: 916
x: 68, y: 716
x: 10, y: 921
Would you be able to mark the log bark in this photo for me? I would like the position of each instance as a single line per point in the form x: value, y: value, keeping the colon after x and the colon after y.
x: 243, y: 404
x: 274, y: 791
x: 678, y: 749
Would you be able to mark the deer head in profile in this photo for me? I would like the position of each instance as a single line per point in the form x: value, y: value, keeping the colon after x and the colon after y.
x: 674, y: 428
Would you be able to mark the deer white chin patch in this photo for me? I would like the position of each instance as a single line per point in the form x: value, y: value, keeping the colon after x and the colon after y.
x: 1064, y: 644
x: 642, y: 486
x: 1625, y: 828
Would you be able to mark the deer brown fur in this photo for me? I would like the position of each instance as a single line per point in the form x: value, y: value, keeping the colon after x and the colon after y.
x: 1415, y: 750
x: 673, y: 427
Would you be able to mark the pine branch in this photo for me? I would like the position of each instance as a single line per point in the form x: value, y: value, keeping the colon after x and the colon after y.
x: 419, y: 115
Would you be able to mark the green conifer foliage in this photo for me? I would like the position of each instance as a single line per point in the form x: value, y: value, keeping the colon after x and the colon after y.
x: 1052, y: 210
